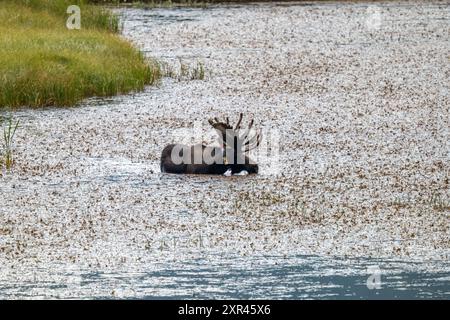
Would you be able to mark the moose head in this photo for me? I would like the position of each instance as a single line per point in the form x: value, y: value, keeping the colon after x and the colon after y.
x: 231, y: 157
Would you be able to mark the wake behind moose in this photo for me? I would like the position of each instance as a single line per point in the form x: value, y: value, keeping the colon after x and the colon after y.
x: 230, y: 157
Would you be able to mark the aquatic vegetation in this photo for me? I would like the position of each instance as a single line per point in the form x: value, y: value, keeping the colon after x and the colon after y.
x: 167, y: 70
x: 43, y: 63
x: 87, y: 192
x: 439, y: 202
x: 198, y: 72
x: 279, y: 205
x: 9, y: 126
x: 184, y: 71
x: 436, y: 200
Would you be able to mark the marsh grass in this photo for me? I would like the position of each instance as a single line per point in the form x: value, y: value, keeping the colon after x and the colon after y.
x: 9, y: 126
x: 184, y: 72
x: 435, y: 200
x: 439, y: 202
x: 150, y: 4
x: 42, y: 63
x: 281, y: 205
x: 198, y: 72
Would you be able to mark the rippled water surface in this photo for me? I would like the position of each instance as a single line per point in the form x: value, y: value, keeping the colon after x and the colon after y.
x: 238, y: 277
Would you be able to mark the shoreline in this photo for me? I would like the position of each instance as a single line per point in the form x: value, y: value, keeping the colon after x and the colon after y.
x: 40, y: 67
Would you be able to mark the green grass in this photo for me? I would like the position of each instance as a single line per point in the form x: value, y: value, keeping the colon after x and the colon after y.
x: 185, y: 71
x: 42, y: 63
x: 9, y: 127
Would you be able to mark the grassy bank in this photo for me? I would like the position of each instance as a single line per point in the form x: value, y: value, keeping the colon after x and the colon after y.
x: 172, y: 3
x: 43, y: 63
x: 187, y: 2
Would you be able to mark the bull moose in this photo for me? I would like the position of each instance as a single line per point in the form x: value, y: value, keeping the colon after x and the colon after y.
x: 231, y: 157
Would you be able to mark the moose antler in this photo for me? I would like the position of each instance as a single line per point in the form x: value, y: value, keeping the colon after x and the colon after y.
x: 225, y: 128
x: 253, y: 142
x: 238, y: 124
x: 222, y: 128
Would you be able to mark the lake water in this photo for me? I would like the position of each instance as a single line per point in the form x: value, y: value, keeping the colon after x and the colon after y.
x: 358, y: 96
x: 228, y: 277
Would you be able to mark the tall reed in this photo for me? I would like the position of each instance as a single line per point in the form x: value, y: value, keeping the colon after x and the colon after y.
x: 9, y: 126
